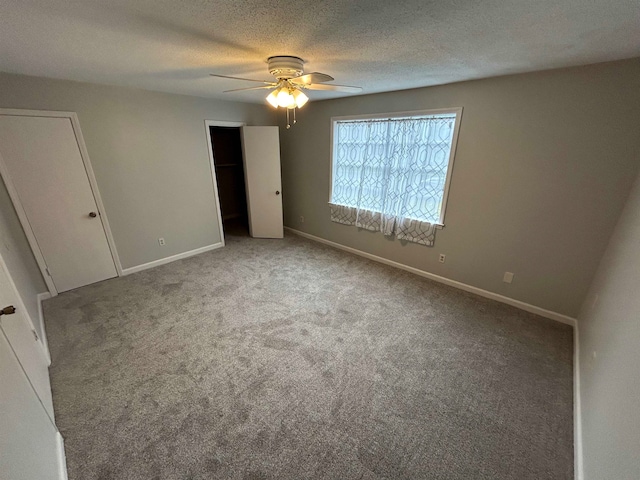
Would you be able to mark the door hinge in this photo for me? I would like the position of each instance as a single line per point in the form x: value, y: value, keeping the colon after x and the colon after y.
x: 46, y: 269
x: 35, y: 335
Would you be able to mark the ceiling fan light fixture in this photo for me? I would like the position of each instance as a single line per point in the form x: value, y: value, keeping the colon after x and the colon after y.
x: 300, y: 98
x: 272, y: 98
x: 285, y: 98
x: 287, y: 90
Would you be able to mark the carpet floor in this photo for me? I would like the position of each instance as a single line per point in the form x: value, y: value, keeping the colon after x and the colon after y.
x: 287, y: 359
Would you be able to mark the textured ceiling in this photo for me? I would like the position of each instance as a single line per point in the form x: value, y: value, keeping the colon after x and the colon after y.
x: 380, y: 45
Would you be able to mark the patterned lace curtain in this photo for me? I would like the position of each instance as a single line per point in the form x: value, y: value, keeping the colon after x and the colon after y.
x: 389, y: 175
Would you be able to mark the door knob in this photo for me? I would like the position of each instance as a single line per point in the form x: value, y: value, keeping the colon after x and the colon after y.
x: 93, y: 214
x: 10, y: 310
x: 277, y: 192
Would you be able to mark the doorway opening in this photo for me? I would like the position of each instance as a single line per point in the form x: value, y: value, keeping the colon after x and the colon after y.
x: 226, y: 146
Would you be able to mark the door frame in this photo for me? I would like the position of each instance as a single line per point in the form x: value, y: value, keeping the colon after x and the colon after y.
x: 212, y: 165
x: 13, y: 193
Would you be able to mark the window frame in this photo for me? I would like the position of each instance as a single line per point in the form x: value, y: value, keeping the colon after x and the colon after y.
x: 457, y: 111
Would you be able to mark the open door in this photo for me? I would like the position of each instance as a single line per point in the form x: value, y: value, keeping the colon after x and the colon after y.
x: 23, y: 340
x: 30, y: 445
x: 261, y: 152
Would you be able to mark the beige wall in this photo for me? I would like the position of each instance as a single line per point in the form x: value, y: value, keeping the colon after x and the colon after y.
x: 149, y: 154
x: 610, y: 355
x: 543, y: 166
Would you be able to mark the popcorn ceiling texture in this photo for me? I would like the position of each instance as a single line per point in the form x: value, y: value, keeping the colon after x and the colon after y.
x: 171, y: 45
x: 289, y: 360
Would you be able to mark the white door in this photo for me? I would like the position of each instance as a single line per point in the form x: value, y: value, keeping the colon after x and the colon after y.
x: 29, y: 448
x: 24, y: 342
x: 261, y: 151
x: 43, y: 163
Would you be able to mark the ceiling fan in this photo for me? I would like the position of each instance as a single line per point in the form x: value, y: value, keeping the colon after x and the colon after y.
x: 290, y: 81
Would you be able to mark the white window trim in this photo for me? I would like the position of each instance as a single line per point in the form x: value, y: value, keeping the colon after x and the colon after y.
x: 415, y: 113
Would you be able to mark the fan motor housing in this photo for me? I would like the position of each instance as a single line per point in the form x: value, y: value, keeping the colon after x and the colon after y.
x: 285, y: 66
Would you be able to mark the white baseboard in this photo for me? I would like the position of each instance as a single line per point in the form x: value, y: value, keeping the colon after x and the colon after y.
x: 453, y: 283
x: 577, y: 408
x: 62, y: 458
x: 173, y: 258
x: 43, y: 338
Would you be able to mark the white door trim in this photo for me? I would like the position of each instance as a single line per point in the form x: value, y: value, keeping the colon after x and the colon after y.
x: 41, y: 297
x: 13, y: 193
x: 62, y: 458
x: 212, y: 165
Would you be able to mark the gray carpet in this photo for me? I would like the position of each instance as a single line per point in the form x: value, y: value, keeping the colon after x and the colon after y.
x: 286, y: 359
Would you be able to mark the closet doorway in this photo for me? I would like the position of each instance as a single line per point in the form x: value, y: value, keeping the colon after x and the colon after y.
x: 226, y: 149
x: 245, y: 166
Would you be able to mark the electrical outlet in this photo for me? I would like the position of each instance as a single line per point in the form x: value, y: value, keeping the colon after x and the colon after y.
x: 161, y: 242
x: 508, y: 277
x: 442, y: 257
x: 301, y: 219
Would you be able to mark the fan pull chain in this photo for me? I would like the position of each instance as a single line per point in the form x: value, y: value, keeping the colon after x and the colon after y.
x: 294, y: 117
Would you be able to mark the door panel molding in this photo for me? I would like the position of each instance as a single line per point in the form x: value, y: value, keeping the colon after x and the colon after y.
x: 13, y: 193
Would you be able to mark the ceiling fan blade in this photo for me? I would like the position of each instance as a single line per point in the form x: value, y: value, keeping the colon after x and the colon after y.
x: 251, y: 88
x: 238, y: 78
x: 315, y: 77
x: 335, y: 88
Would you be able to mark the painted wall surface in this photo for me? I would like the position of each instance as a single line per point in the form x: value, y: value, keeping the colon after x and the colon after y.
x: 609, y: 356
x: 149, y: 154
x: 544, y: 164
x: 17, y: 254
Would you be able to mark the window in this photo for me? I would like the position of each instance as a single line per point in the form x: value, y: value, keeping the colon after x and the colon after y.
x: 393, y: 170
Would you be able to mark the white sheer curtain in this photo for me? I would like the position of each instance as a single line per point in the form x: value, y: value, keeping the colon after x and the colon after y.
x: 389, y: 174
